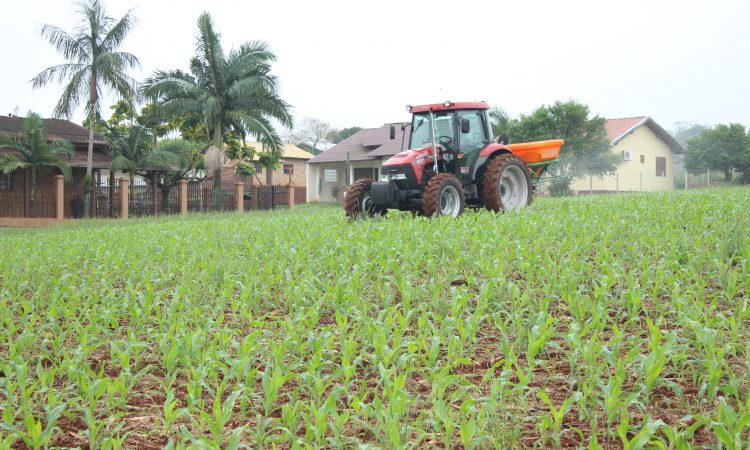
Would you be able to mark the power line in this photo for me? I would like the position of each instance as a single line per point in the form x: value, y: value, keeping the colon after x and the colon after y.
x: 677, y: 80
x: 670, y: 68
x: 691, y: 87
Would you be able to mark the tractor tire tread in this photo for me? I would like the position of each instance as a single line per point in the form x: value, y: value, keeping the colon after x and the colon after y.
x: 491, y: 182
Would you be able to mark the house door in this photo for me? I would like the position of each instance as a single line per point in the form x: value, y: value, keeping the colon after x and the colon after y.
x: 366, y: 172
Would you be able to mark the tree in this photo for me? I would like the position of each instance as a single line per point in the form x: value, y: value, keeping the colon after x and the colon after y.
x: 336, y: 136
x: 724, y: 147
x: 226, y: 92
x: 312, y: 132
x: 587, y: 150
x: 34, y: 152
x: 500, y: 122
x: 684, y: 131
x: 94, y: 66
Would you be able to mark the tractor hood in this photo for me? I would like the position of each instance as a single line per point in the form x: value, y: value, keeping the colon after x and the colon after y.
x: 413, y: 160
x: 415, y: 157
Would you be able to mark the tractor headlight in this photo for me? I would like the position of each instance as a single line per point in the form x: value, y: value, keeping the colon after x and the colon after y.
x: 398, y: 176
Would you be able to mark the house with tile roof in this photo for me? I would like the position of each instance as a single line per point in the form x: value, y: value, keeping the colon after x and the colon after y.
x: 15, y: 187
x: 292, y: 171
x: 359, y: 156
x: 648, y: 153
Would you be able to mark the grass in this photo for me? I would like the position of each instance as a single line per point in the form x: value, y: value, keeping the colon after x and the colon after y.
x: 599, y: 322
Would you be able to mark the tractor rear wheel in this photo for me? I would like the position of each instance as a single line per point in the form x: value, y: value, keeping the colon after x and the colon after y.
x: 358, y: 203
x: 444, y: 196
x: 507, y: 184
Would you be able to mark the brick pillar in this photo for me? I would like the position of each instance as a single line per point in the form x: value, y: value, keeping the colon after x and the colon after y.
x: 254, y: 192
x: 59, y: 197
x: 124, y: 197
x: 291, y: 197
x: 183, y: 197
x: 239, y: 195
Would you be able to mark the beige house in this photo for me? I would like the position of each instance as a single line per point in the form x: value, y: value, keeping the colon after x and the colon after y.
x: 648, y: 156
x: 292, y: 170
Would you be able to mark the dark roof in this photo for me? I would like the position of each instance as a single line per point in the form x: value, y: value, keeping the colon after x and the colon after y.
x: 58, y: 129
x: 367, y: 144
x: 54, y: 130
x: 619, y: 129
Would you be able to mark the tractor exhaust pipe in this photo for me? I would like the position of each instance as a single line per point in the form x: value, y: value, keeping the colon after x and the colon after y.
x: 434, y: 145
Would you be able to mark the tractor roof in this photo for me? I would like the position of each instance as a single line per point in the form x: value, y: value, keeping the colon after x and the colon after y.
x: 450, y: 106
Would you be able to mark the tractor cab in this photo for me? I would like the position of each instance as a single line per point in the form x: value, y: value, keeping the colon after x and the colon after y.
x: 454, y: 133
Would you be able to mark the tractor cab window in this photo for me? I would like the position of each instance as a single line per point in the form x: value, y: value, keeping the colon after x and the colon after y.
x: 475, y: 138
x: 420, y: 129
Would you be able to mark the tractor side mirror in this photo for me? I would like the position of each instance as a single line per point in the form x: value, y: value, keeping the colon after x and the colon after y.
x: 393, y: 132
x: 465, y: 126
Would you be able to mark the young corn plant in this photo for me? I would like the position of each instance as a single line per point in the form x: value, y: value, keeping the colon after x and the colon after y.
x: 732, y: 427
x: 554, y: 421
x: 641, y: 438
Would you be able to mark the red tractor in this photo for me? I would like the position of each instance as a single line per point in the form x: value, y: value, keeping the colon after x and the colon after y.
x: 453, y: 162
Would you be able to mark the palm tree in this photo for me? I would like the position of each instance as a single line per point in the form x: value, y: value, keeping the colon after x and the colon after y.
x: 94, y: 65
x: 34, y: 152
x: 134, y: 153
x: 228, y: 92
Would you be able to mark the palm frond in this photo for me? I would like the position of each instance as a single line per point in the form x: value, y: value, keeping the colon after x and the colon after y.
x: 73, y: 93
x: 63, y: 42
x: 7, y: 141
x: 122, y: 163
x: 210, y: 52
x: 10, y: 163
x: 119, y: 31
x: 60, y: 72
x: 61, y: 149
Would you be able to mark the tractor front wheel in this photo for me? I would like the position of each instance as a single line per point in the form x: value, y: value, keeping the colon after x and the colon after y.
x: 358, y: 203
x: 507, y: 184
x: 444, y: 196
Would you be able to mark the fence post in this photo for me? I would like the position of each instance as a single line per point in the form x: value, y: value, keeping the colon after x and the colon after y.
x: 59, y: 197
x: 290, y: 191
x: 124, y: 198
x: 183, y: 197
x: 239, y: 195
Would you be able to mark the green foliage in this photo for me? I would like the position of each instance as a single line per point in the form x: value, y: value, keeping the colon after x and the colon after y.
x: 94, y: 64
x: 336, y: 136
x: 299, y: 329
x: 724, y: 148
x: 684, y: 131
x: 224, y: 92
x: 34, y: 152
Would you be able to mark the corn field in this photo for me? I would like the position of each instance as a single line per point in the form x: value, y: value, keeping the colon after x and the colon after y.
x: 598, y: 322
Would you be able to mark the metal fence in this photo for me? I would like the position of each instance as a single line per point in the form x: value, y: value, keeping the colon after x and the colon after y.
x: 17, y: 200
x: 270, y: 197
x: 105, y: 200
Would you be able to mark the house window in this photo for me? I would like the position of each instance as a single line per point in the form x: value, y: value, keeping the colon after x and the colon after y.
x: 643, y: 159
x: 288, y: 169
x: 661, y: 166
x: 6, y: 182
x: 330, y: 175
x: 258, y: 167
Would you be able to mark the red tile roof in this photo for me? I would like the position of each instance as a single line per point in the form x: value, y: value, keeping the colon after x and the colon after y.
x: 57, y: 129
x: 54, y: 130
x: 618, y: 129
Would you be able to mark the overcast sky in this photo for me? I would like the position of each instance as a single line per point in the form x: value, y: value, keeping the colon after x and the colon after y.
x: 360, y: 62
